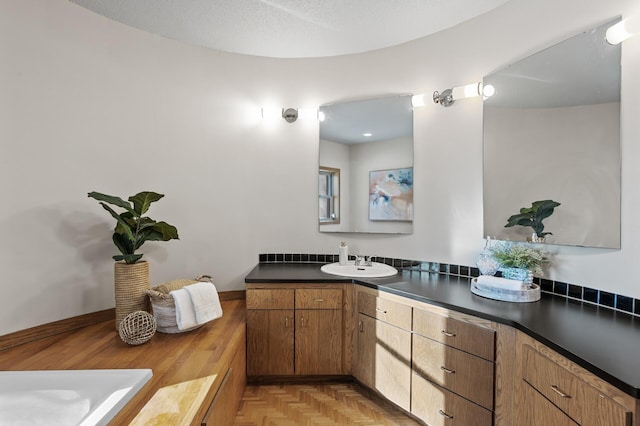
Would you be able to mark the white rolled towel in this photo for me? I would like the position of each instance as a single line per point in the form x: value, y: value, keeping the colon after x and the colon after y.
x: 489, y: 281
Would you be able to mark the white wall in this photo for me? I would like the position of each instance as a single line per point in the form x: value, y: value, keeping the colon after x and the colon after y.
x: 89, y: 104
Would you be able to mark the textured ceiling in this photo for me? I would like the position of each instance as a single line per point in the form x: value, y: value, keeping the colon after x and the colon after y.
x: 291, y: 28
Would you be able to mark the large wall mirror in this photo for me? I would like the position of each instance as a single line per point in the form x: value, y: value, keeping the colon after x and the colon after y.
x: 365, y: 176
x: 552, y: 131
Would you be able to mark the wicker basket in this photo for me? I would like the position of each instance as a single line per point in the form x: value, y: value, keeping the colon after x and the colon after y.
x: 164, y: 308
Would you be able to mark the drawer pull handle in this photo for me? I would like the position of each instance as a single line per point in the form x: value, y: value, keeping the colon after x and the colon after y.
x: 302, y: 322
x: 318, y: 300
x: 448, y: 334
x: 286, y: 322
x: 361, y: 326
x: 448, y: 416
x: 272, y: 300
x: 381, y: 310
x: 559, y: 392
x: 446, y: 370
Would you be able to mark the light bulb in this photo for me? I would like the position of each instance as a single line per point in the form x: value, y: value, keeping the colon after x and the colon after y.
x: 466, y: 91
x: 624, y: 29
x: 417, y: 101
x: 488, y: 90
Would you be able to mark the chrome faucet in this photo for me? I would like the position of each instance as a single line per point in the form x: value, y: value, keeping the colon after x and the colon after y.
x: 364, y: 261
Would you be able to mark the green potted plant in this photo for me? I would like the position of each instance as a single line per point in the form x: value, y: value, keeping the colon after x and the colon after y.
x: 132, y: 230
x: 519, y: 262
x: 533, y: 217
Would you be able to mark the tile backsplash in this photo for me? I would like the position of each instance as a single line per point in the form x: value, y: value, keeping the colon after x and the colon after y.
x: 594, y: 296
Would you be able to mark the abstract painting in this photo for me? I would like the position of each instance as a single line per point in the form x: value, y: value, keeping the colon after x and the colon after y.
x: 391, y: 195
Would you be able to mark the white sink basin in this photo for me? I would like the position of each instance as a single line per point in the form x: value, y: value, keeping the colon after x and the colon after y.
x: 376, y: 270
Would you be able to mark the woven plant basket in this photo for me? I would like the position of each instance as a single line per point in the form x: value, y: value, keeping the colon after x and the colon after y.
x: 131, y: 282
x: 164, y: 308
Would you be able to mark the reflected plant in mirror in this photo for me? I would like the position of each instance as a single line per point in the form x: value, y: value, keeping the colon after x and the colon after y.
x: 359, y: 140
x: 552, y: 131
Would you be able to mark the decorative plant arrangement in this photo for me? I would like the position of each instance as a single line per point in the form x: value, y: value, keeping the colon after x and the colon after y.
x: 132, y: 228
x: 533, y: 217
x: 520, y: 256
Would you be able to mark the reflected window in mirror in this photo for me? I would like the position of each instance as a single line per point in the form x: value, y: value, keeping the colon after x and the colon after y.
x: 552, y: 131
x: 329, y: 196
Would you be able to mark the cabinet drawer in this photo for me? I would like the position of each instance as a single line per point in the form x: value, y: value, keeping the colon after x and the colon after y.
x: 465, y: 374
x: 270, y: 299
x: 437, y: 406
x: 385, y: 310
x: 318, y: 298
x: 459, y: 334
x: 535, y: 410
x: 554, y: 382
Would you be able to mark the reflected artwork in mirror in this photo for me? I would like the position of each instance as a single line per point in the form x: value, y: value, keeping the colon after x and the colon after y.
x: 358, y: 140
x: 552, y: 132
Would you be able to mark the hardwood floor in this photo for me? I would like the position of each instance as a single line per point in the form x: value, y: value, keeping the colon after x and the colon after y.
x: 316, y: 404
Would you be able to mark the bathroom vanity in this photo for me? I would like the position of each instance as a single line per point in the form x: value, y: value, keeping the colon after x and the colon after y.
x: 427, y: 344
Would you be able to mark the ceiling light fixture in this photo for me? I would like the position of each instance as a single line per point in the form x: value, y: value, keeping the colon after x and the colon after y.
x: 624, y: 29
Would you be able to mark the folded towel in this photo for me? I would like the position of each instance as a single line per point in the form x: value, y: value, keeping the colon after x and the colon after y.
x: 206, y: 302
x: 488, y: 281
x: 185, y: 314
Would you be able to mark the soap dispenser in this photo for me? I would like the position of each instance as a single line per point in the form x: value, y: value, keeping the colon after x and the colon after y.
x: 343, y: 253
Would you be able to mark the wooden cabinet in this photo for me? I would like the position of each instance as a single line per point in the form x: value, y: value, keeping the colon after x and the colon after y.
x: 383, y: 349
x: 456, y: 332
x: 436, y: 405
x: 295, y: 331
x: 453, y: 369
x: 547, y: 384
x: 225, y: 404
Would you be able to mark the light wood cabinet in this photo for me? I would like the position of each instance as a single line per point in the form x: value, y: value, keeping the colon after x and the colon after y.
x: 437, y: 406
x: 225, y: 404
x: 548, y: 383
x: 453, y: 369
x: 467, y: 375
x: 295, y: 331
x: 457, y: 333
x: 383, y: 353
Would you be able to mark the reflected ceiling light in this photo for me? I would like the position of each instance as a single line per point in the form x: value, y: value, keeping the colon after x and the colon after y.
x: 624, y: 29
x: 321, y: 116
x: 449, y: 96
x: 367, y: 135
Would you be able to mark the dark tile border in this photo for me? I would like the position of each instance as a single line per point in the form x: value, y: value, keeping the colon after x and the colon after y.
x: 593, y: 296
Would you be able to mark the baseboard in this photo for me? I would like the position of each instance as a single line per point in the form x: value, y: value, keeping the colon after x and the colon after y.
x: 51, y: 329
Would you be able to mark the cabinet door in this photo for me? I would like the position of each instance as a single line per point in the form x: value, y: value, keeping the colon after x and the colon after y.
x: 535, y: 410
x: 383, y: 360
x: 270, y: 335
x: 318, y: 341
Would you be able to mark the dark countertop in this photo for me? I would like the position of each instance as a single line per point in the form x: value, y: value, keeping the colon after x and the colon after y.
x: 603, y: 341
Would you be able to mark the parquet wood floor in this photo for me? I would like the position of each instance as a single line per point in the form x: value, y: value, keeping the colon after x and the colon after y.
x: 316, y: 404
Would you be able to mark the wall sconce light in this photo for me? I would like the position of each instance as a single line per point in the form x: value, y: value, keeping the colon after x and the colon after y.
x: 624, y: 29
x: 290, y: 115
x: 449, y: 96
